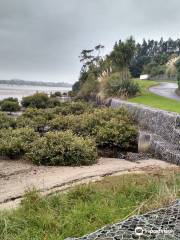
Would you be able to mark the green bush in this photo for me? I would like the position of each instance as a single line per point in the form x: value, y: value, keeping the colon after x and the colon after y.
x: 74, y: 108
x: 35, y: 118
x: 61, y: 123
x: 56, y: 94
x: 10, y: 106
x: 11, y: 99
x: 15, y: 142
x: 109, y: 127
x: 116, y: 86
x: 53, y: 102
x: 63, y: 148
x: 116, y: 133
x: 37, y: 100
x: 6, y: 121
x: 86, y: 123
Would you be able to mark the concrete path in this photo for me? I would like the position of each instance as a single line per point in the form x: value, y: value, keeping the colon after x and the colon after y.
x: 166, y: 90
x: 18, y: 176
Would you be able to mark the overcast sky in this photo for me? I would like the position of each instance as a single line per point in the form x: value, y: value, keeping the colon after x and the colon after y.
x: 42, y: 39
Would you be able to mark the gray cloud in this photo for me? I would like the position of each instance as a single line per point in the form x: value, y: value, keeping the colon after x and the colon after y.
x: 41, y: 39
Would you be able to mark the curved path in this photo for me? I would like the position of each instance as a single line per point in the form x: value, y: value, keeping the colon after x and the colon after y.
x: 166, y: 90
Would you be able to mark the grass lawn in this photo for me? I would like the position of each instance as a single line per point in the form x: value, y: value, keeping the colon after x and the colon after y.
x: 89, y: 207
x: 154, y: 100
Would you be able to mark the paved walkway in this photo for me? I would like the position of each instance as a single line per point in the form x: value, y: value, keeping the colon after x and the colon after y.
x: 166, y: 90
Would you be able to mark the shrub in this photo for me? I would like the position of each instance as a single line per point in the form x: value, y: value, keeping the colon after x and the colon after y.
x: 53, y: 102
x: 35, y: 118
x: 11, y: 99
x: 75, y: 108
x: 38, y: 100
x: 10, y: 106
x: 15, y: 142
x: 63, y: 148
x: 116, y: 86
x: 116, y: 133
x: 86, y: 123
x: 6, y: 121
x: 62, y: 123
x: 56, y: 94
x: 109, y: 127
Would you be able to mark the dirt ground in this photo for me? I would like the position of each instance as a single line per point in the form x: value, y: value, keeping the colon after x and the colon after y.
x: 16, y: 177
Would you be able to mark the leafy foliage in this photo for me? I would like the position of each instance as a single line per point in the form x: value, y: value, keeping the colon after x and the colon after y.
x: 35, y: 118
x: 38, y: 100
x: 115, y: 85
x: 109, y: 127
x: 6, y: 121
x: 63, y: 148
x: 15, y: 142
x: 10, y: 106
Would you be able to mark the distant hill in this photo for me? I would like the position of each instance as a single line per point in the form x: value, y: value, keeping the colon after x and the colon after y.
x: 35, y: 83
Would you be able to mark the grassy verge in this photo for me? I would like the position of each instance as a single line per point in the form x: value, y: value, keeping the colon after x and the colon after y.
x: 89, y: 207
x: 154, y: 100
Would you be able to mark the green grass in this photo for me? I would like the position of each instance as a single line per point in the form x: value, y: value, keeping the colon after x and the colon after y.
x: 87, y: 208
x: 154, y: 100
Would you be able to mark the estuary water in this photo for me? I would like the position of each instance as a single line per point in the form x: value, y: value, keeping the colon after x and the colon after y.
x: 20, y: 91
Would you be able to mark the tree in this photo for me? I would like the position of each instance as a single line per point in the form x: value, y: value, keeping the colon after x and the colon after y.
x: 122, y: 55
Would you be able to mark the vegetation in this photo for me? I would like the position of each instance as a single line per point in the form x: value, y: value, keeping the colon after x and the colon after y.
x: 96, y: 68
x: 63, y: 148
x: 61, y: 135
x: 10, y: 105
x: 35, y: 118
x: 115, y: 85
x: 109, y: 127
x: 38, y: 100
x: 15, y: 142
x: 6, y: 121
x: 110, y: 75
x: 86, y: 208
x: 151, y: 56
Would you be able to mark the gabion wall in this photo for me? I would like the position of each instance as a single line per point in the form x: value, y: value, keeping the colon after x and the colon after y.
x: 163, y: 224
x: 163, y: 127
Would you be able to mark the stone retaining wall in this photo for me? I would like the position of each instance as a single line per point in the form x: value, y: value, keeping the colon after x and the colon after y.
x: 163, y: 224
x: 162, y: 126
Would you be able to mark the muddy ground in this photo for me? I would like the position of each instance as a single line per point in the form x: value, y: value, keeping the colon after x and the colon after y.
x: 16, y: 177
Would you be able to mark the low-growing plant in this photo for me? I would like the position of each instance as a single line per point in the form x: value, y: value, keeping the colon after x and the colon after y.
x: 116, y: 133
x: 117, y: 86
x: 35, y: 118
x: 10, y: 106
x: 75, y: 108
x: 109, y: 127
x: 62, y: 148
x: 15, y: 142
x: 37, y: 100
x: 6, y: 121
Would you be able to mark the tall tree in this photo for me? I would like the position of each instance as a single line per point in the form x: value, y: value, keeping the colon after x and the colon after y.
x: 122, y: 54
